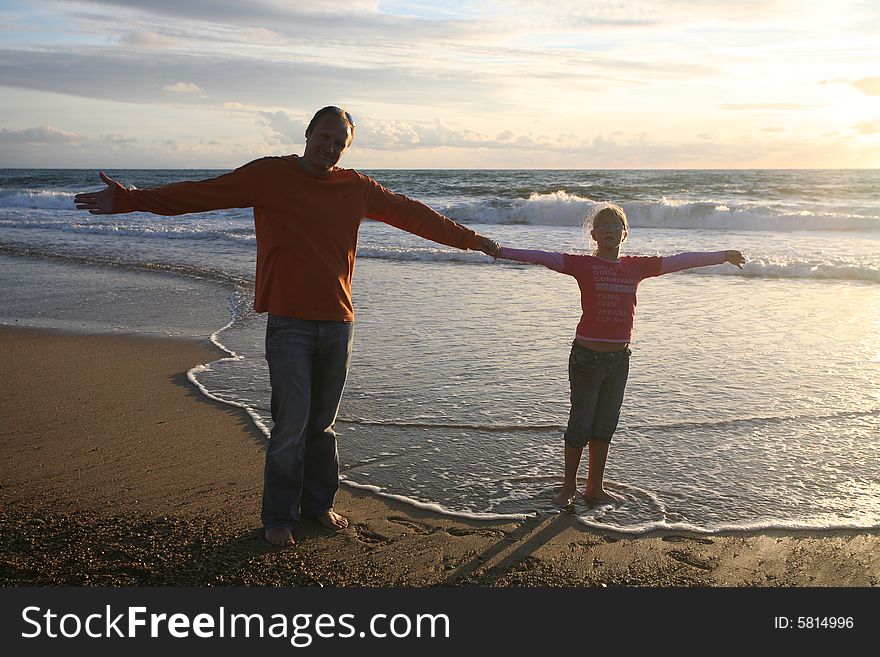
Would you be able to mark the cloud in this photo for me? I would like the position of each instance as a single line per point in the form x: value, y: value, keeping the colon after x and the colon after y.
x: 574, y: 15
x: 868, y: 127
x: 49, y: 136
x: 868, y: 86
x: 50, y: 147
x: 400, y: 135
x: 285, y: 129
x: 565, y: 15
x: 152, y: 40
x: 243, y: 107
x: 114, y: 74
x: 227, y: 8
x: 182, y: 88
x: 116, y: 141
x: 306, y: 21
x: 746, y: 107
x: 501, y: 75
x: 41, y: 135
x: 260, y: 35
x: 397, y: 135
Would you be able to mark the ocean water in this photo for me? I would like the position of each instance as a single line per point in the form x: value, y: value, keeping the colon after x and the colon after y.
x: 754, y: 395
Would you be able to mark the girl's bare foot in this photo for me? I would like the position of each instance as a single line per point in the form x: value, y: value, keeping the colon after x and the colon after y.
x: 332, y: 520
x: 564, y: 497
x: 280, y: 536
x: 602, y: 496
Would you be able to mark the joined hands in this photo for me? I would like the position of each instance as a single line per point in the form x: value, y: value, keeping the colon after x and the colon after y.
x: 489, y: 247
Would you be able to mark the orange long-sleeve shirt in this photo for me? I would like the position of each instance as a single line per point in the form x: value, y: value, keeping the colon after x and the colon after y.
x: 306, y: 228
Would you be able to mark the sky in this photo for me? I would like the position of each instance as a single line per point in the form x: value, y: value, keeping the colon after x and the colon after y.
x: 604, y: 84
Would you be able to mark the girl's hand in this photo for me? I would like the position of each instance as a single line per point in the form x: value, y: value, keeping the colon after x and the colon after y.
x: 735, y: 258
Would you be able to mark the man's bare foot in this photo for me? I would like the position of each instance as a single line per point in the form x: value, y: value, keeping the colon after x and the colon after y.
x: 564, y: 497
x: 332, y: 520
x: 602, y: 496
x: 280, y: 536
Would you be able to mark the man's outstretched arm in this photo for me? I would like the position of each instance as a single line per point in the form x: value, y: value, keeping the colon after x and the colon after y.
x: 416, y: 217
x: 241, y: 188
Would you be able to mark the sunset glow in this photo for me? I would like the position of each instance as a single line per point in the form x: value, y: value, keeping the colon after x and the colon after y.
x: 512, y: 84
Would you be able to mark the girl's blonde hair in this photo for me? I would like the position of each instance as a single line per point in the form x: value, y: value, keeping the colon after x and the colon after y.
x: 606, y: 211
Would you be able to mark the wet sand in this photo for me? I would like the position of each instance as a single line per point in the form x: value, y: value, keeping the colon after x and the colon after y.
x: 116, y: 471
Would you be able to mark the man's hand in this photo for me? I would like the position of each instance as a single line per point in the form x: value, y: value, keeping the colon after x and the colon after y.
x: 98, y: 202
x: 489, y: 247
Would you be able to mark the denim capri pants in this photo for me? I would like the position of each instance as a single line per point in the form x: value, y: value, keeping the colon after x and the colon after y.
x: 598, y: 382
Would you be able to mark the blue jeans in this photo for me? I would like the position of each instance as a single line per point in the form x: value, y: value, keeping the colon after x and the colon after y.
x: 598, y: 382
x: 308, y: 364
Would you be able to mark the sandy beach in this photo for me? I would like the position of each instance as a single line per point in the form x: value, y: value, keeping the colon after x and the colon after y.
x: 116, y: 471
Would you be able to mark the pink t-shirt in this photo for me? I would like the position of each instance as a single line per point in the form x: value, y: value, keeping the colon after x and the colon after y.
x: 608, y: 293
x: 608, y: 288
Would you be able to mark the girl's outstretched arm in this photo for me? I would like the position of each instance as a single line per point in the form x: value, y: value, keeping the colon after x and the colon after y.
x: 669, y: 264
x: 549, y: 259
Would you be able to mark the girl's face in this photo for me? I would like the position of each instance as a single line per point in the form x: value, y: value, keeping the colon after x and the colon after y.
x: 608, y: 230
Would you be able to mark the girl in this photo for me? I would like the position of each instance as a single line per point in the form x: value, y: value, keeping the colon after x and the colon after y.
x: 599, y: 362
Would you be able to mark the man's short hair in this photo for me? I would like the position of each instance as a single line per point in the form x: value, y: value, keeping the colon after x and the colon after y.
x: 337, y: 111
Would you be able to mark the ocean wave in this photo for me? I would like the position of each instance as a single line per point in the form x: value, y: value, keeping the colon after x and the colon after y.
x: 557, y: 208
x: 720, y: 216
x: 433, y: 424
x: 761, y: 268
x: 37, y: 199
x: 429, y: 423
x: 125, y: 228
x: 421, y: 254
x: 755, y: 268
x: 436, y: 507
x: 106, y: 260
x: 561, y: 208
x: 665, y: 527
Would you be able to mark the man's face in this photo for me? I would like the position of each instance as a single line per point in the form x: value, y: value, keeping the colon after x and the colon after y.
x: 326, y: 143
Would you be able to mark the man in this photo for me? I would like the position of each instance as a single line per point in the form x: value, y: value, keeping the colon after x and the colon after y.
x: 307, y: 212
